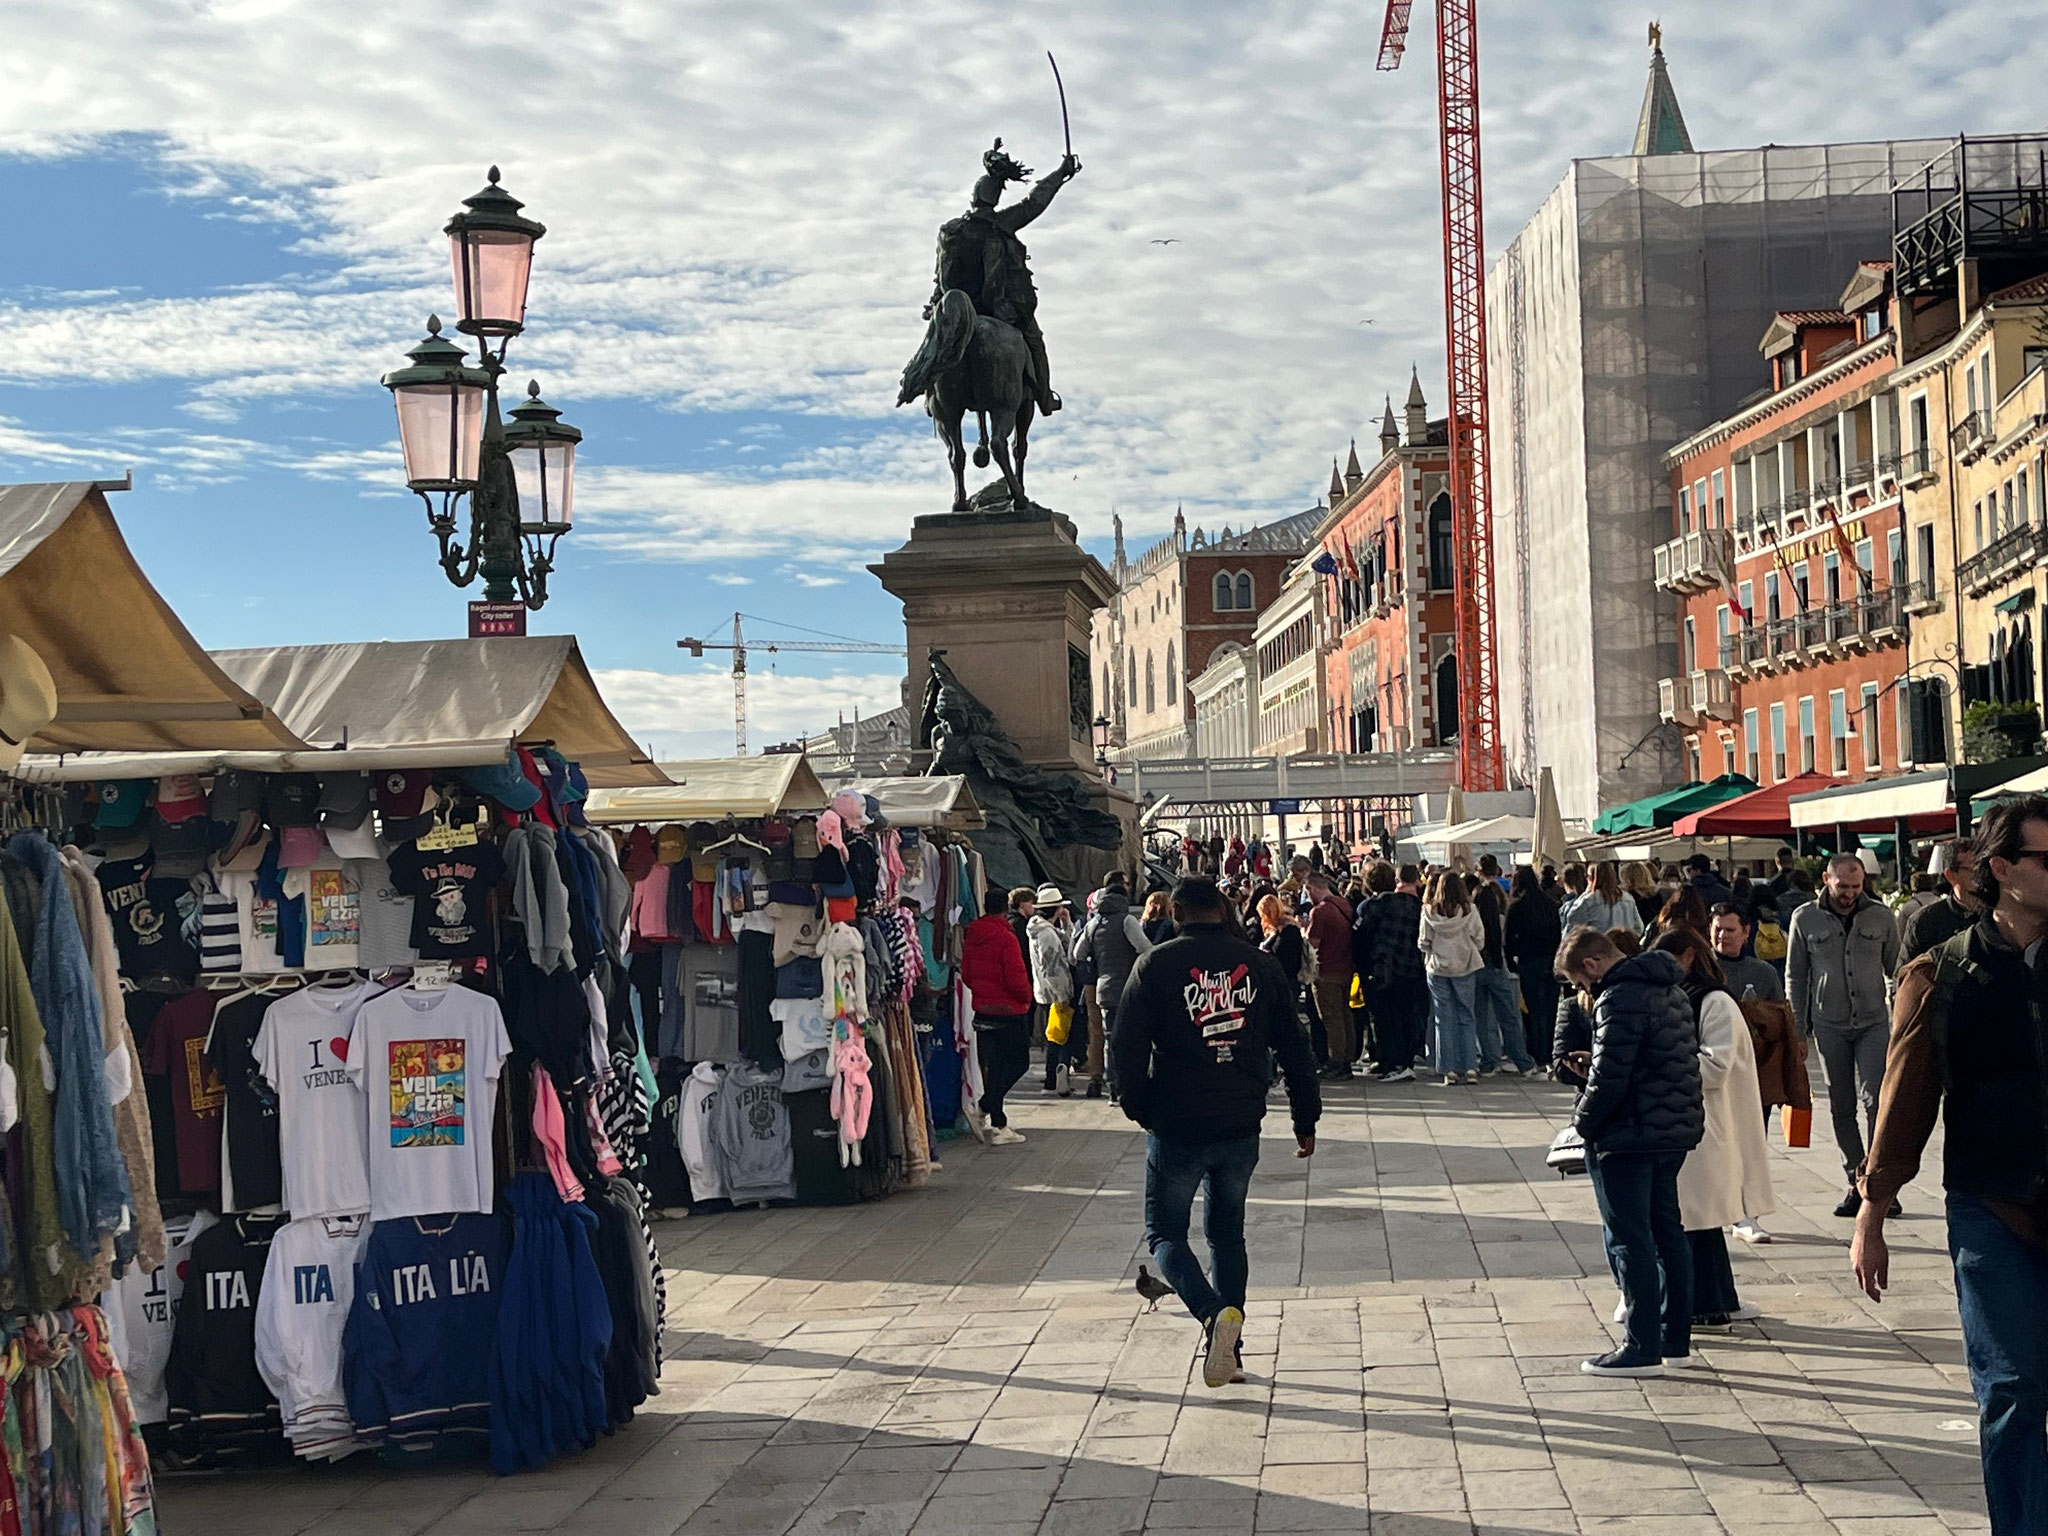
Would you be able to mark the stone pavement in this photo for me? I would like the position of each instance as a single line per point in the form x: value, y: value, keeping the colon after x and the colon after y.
x: 970, y: 1358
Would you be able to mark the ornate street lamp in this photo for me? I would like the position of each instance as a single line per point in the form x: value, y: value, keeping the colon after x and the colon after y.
x: 1101, y: 728
x: 520, y: 479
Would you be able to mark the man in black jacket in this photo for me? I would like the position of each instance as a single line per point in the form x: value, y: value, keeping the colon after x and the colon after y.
x: 1640, y: 1112
x: 1201, y: 1019
x: 1385, y: 954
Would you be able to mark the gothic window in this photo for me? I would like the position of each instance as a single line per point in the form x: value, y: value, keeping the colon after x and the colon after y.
x: 1172, y: 691
x: 1442, y: 547
x: 1131, y: 698
x: 1244, y: 590
x: 1446, y: 700
x: 1108, y: 692
x: 1151, y: 697
x: 1224, y: 602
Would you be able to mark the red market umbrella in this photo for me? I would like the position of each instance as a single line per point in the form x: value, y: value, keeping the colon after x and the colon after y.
x: 1762, y: 813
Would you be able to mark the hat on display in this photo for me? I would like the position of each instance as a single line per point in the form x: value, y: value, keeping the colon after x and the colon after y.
x: 291, y: 800
x: 775, y: 833
x: 829, y: 832
x: 1051, y: 896
x: 357, y: 842
x: 504, y: 783
x: 877, y: 822
x: 671, y: 845
x: 28, y: 698
x: 182, y: 847
x: 179, y: 797
x: 236, y: 805
x: 851, y: 808
x: 128, y: 843
x: 344, y: 800
x: 638, y: 857
x: 554, y: 773
x: 299, y: 846
x: 247, y: 859
x: 544, y: 807
x: 401, y: 793
x: 122, y: 802
x: 803, y: 837
x: 575, y: 794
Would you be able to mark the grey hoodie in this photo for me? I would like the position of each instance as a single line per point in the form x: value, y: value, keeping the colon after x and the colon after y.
x: 750, y: 1136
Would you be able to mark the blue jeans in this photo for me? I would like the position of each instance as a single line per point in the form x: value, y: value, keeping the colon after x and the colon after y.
x: 1646, y: 1243
x: 1499, y: 1006
x: 1457, y: 1024
x: 2002, y: 1292
x: 1174, y: 1170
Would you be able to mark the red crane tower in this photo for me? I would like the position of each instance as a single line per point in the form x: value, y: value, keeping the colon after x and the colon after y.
x: 1480, y: 763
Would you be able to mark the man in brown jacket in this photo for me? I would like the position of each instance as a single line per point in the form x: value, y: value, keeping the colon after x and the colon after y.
x: 1969, y: 1043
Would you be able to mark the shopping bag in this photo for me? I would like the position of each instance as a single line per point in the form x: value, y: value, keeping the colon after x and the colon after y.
x: 1357, y: 990
x: 1058, y: 1020
x: 1798, y: 1124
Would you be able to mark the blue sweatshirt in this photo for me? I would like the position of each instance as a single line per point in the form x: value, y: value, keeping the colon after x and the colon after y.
x: 547, y: 1373
x: 417, y: 1348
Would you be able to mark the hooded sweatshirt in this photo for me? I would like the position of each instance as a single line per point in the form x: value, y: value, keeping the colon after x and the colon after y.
x: 1452, y: 946
x: 1117, y: 939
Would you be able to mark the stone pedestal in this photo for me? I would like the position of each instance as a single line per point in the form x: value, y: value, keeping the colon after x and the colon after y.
x: 1007, y: 596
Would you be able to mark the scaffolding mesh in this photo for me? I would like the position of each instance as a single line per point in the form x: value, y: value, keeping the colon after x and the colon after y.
x: 1645, y: 285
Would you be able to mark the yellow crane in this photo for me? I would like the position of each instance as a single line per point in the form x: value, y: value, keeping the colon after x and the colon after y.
x: 739, y: 648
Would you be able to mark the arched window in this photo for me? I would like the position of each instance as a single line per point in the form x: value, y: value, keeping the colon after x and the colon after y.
x: 1443, y: 558
x: 1131, y: 698
x: 1447, y: 701
x: 1244, y: 590
x: 1223, y: 599
x: 1108, y: 692
x: 1151, y: 697
x: 1172, y: 691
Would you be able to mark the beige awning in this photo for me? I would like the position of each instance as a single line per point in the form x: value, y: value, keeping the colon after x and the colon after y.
x: 406, y: 703
x: 932, y: 800
x: 709, y: 788
x: 130, y: 676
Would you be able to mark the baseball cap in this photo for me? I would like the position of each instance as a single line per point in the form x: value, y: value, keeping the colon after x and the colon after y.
x: 179, y: 797
x: 182, y: 847
x: 357, y: 842
x: 504, y: 783
x: 671, y: 845
x: 344, y: 800
x: 291, y: 800
x: 401, y: 792
x: 851, y: 808
x: 121, y: 803
x: 298, y: 846
x: 638, y: 857
x: 573, y: 796
x: 803, y: 837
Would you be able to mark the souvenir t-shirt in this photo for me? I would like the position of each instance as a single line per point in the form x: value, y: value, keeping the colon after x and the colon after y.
x: 385, y: 913
x: 333, y: 913
x: 255, y: 923
x: 302, y: 1053
x: 428, y: 1062
x: 176, y: 1050
x: 148, y: 928
x: 450, y: 890
x: 254, y: 1174
x: 142, y: 1309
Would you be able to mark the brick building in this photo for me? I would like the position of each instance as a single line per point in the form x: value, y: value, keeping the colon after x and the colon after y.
x: 1790, y: 559
x: 1391, y: 676
x: 1176, y: 604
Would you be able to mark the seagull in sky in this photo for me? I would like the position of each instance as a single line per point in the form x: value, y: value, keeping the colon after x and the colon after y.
x: 1166, y: 242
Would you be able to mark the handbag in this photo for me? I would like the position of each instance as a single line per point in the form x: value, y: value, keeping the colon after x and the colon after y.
x: 1059, y: 1019
x: 1567, y: 1154
x: 1798, y: 1125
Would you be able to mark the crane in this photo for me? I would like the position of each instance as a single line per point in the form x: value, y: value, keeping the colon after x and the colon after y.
x: 739, y: 648
x: 1480, y: 763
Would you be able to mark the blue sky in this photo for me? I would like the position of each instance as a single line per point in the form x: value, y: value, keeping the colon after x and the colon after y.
x: 226, y: 222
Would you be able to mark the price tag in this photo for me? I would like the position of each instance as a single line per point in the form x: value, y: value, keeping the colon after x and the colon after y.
x: 448, y: 835
x: 434, y: 975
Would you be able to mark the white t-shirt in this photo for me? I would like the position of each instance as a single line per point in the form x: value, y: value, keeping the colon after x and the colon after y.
x: 429, y: 1065
x: 142, y: 1310
x: 803, y: 1023
x: 302, y: 1051
x: 255, y: 924
x: 333, y: 913
x: 386, y: 915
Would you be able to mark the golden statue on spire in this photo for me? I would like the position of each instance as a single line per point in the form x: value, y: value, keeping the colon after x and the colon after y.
x: 1656, y: 37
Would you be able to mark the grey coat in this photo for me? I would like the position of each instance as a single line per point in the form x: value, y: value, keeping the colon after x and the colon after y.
x: 1838, y: 972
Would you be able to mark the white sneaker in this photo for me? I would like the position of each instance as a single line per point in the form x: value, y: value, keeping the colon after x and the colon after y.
x: 1066, y: 1082
x: 1621, y: 1310
x: 1003, y: 1136
x: 1509, y: 1069
x: 977, y: 1122
x: 1219, y: 1361
x: 1750, y: 1232
x: 1745, y: 1311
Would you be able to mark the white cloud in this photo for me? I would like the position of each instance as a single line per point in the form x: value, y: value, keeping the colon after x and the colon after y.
x: 741, y: 211
x: 731, y: 579
x: 690, y: 714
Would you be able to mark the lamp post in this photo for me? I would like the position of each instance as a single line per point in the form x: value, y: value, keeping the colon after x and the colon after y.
x: 520, y: 479
x: 1100, y: 726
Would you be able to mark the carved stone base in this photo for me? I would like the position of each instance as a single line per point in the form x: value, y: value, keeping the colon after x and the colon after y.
x: 1007, y: 594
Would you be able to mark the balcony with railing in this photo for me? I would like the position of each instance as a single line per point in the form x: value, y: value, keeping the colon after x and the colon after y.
x: 1712, y: 698
x: 2003, y: 558
x: 1968, y: 438
x: 1746, y: 651
x: 1921, y: 597
x: 1916, y: 466
x: 1696, y: 562
x: 1674, y: 701
x: 1824, y: 631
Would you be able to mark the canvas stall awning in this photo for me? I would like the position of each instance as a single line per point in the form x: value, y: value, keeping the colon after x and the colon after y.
x: 1879, y: 803
x: 708, y: 788
x: 129, y: 675
x: 938, y: 800
x: 405, y: 703
x: 1760, y: 813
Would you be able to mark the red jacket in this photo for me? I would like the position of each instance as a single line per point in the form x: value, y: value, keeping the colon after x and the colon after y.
x: 992, y: 965
x: 1329, y: 929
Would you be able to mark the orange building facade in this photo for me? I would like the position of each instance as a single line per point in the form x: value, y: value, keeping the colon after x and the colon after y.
x: 1790, y: 564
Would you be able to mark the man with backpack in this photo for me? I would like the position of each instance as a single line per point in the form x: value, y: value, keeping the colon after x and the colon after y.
x: 1105, y: 949
x: 1969, y: 1045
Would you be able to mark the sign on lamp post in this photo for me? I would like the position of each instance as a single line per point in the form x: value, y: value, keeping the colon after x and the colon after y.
x: 489, y: 619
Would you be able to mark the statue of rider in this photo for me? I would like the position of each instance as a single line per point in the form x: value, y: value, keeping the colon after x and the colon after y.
x: 980, y: 254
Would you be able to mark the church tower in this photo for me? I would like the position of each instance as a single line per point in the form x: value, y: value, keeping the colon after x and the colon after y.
x: 1660, y: 129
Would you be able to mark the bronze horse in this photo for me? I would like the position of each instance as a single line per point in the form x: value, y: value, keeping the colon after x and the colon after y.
x: 969, y: 362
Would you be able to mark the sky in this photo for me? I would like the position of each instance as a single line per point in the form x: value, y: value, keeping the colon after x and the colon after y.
x: 224, y: 226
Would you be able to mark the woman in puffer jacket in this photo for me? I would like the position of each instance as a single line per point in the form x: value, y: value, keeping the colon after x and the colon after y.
x: 1453, y: 940
x: 1727, y: 1177
x: 1640, y: 1113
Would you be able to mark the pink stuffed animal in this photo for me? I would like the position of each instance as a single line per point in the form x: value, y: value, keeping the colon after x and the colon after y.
x: 853, y: 1096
